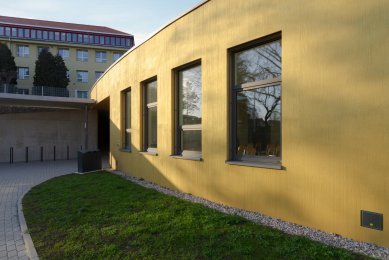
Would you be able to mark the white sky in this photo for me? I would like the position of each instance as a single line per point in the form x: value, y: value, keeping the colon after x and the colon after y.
x: 140, y: 18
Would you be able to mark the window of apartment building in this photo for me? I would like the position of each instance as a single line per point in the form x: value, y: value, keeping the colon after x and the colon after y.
x: 64, y: 53
x: 14, y: 32
x: 23, y: 72
x: 97, y: 39
x: 56, y: 36
x: 256, y: 102
x: 7, y: 31
x: 33, y: 34
x: 22, y: 51
x: 79, y: 38
x: 116, y: 56
x: 82, y: 76
x: 1, y: 31
x: 126, y: 120
x: 20, y: 32
x: 98, y: 74
x: 63, y: 36
x: 51, y: 36
x: 101, y: 56
x: 188, y: 111
x: 112, y: 40
x: 26, y: 33
x: 91, y: 39
x: 86, y: 38
x: 82, y: 55
x: 68, y: 37
x: 117, y: 41
x: 74, y: 37
x: 40, y: 49
x: 107, y: 40
x: 39, y: 34
x: 149, y: 108
x: 81, y: 94
x: 102, y: 40
x: 45, y: 35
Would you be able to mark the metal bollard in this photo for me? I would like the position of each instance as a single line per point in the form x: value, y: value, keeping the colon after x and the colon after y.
x: 11, y: 155
x: 26, y: 154
x: 67, y: 152
x: 54, y: 152
x: 41, y: 153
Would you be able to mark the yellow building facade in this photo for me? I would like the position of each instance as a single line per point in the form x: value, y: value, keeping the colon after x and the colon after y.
x: 315, y: 157
x: 86, y: 49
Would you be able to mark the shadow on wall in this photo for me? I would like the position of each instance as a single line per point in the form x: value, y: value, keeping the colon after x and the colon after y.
x: 331, y: 130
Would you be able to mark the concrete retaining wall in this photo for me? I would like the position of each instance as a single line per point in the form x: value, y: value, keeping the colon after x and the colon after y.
x: 60, y: 129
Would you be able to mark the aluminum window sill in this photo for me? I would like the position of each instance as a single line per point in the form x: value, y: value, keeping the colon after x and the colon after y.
x: 274, y: 166
x: 191, y: 158
x: 149, y: 153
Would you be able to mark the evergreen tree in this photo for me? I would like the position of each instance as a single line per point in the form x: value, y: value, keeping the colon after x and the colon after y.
x: 8, y: 71
x: 50, y: 71
x: 62, y: 80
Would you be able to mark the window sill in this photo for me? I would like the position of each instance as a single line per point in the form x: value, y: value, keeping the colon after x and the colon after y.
x: 274, y: 166
x: 191, y: 158
x: 125, y: 150
x: 149, y: 153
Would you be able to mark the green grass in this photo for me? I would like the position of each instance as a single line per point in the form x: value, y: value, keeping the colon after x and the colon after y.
x: 102, y: 215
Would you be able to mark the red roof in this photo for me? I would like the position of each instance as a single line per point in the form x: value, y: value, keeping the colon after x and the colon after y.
x: 59, y: 25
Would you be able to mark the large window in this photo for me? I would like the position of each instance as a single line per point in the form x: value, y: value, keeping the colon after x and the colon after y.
x: 82, y: 76
x: 101, y: 56
x: 23, y: 72
x: 188, y: 111
x: 256, y: 96
x: 126, y: 99
x: 64, y: 53
x: 82, y: 55
x: 22, y: 51
x: 150, y: 116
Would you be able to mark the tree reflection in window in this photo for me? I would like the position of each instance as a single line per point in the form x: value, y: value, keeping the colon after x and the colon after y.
x: 257, y: 93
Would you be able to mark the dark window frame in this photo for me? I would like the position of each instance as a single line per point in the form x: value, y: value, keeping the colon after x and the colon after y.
x: 178, y: 151
x: 261, y: 162
x: 144, y: 109
x: 126, y: 121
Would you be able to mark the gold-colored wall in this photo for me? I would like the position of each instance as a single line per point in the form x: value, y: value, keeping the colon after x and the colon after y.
x: 71, y: 63
x: 335, y: 107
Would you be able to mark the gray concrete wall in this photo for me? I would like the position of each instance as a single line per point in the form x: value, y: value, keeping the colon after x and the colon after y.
x: 45, y: 129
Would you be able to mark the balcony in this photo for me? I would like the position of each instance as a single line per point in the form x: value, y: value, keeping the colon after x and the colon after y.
x: 41, y: 91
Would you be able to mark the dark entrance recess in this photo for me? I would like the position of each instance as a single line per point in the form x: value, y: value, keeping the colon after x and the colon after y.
x: 103, y: 126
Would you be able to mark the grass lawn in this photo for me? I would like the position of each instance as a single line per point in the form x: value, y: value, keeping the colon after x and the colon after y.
x: 101, y: 215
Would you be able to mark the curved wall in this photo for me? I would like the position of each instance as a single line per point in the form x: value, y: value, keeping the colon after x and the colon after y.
x: 335, y: 107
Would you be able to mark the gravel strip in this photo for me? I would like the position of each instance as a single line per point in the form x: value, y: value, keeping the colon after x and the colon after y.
x: 290, y: 228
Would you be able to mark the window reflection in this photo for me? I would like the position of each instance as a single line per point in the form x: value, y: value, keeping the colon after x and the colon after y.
x: 259, y: 122
x: 259, y: 63
x: 190, y: 96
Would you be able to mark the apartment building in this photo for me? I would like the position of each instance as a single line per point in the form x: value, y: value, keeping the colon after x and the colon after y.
x: 87, y: 50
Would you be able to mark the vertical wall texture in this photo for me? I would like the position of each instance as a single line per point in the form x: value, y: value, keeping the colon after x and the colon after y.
x: 335, y: 106
x: 45, y: 129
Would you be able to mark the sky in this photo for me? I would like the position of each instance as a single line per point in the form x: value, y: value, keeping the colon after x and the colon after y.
x: 140, y: 18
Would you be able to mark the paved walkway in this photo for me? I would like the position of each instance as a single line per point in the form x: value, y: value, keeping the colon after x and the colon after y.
x: 15, y: 179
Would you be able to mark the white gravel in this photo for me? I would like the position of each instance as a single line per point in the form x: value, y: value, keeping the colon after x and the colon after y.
x: 290, y: 228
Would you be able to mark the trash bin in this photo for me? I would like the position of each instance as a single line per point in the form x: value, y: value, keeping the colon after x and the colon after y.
x: 89, y: 161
